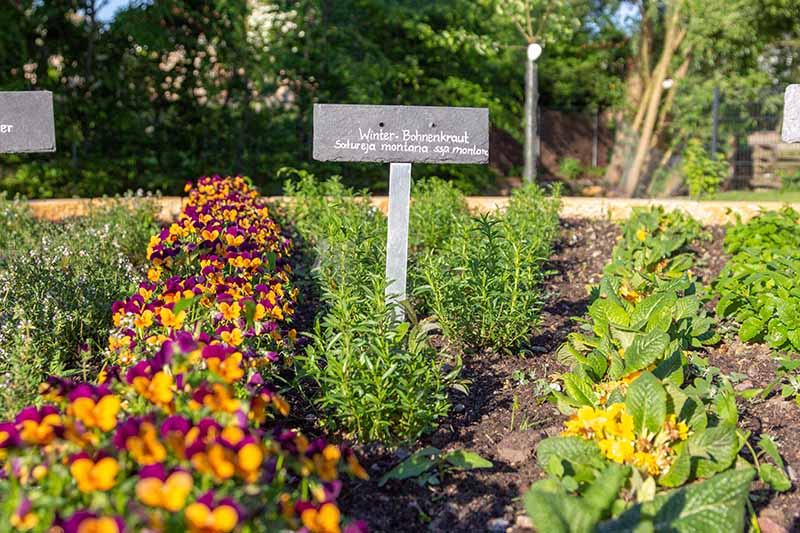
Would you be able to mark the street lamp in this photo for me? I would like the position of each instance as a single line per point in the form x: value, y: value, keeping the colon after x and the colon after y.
x: 531, y: 103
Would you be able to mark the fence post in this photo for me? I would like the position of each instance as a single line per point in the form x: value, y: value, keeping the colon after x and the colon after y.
x: 715, y: 121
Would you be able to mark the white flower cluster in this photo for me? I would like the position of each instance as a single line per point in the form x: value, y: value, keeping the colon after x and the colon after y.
x: 266, y: 23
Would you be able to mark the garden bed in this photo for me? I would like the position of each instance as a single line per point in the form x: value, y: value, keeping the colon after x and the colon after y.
x: 488, y: 422
x: 552, y: 371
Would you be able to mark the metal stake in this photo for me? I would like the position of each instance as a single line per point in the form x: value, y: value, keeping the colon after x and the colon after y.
x: 397, y: 240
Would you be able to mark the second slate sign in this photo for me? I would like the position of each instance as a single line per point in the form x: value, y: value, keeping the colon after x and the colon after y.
x: 401, y: 134
x: 26, y: 122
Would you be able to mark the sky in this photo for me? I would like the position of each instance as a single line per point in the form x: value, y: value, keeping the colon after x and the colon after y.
x: 113, y: 5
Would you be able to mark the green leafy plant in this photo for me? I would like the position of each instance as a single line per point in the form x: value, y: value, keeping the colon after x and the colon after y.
x: 759, y: 287
x: 483, y: 286
x: 768, y: 233
x: 570, y: 168
x: 717, y: 504
x: 790, y: 180
x: 438, y: 210
x: 655, y: 244
x: 58, y: 282
x: 429, y: 465
x: 703, y: 173
x: 376, y: 379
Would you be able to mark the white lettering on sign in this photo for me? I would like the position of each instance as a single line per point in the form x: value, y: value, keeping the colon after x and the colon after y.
x: 415, y: 142
x: 6, y: 128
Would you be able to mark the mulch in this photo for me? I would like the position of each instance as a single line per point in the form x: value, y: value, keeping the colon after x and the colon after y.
x: 505, y: 415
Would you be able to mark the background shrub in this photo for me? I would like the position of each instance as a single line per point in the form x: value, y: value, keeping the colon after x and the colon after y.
x: 703, y: 173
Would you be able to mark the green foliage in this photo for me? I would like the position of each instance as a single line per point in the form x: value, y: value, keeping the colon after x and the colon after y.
x: 59, y: 281
x: 428, y: 465
x: 790, y: 180
x: 552, y: 508
x: 483, y: 285
x: 769, y: 232
x: 636, y: 400
x: 759, y: 287
x: 716, y: 504
x: 655, y: 243
x: 703, y: 174
x: 646, y: 311
x: 439, y: 209
x: 16, y: 223
x: 180, y: 88
x: 570, y: 168
x: 377, y: 379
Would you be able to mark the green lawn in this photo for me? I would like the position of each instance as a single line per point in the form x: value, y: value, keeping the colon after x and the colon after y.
x: 757, y: 196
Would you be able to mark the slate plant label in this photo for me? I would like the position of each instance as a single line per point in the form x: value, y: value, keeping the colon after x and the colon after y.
x: 791, y: 115
x: 26, y: 122
x: 401, y: 134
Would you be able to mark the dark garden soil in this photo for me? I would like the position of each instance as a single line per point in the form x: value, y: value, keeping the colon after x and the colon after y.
x: 505, y: 415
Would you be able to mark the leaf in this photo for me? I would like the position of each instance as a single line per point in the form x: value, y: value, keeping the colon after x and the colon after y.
x: 573, y: 449
x: 680, y: 470
x: 416, y: 465
x: 577, y: 389
x: 609, y: 312
x: 725, y: 405
x: 645, y: 350
x: 467, y: 460
x: 646, y: 401
x: 650, y: 305
x: 750, y: 329
x: 558, y: 513
x: 184, y: 303
x: 602, y: 493
x: 774, y: 477
x: 714, y: 449
x: 770, y: 448
x: 716, y: 504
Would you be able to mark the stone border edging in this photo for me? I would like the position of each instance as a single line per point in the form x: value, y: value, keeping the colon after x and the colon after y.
x: 709, y: 213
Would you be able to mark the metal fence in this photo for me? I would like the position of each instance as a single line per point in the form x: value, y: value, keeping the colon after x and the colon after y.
x: 749, y: 136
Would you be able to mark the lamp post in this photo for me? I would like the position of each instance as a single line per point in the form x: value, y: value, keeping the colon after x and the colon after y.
x: 531, y: 112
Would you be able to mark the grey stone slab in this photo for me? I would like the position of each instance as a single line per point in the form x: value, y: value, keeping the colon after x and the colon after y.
x: 401, y: 134
x: 791, y: 115
x: 26, y: 122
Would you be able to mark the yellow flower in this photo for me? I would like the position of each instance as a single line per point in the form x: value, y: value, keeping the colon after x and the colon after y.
x: 170, y: 319
x: 145, y: 447
x: 98, y: 525
x: 201, y: 519
x: 233, y: 337
x: 102, y: 415
x: 326, y: 520
x: 157, y: 390
x: 92, y: 476
x: 145, y: 320
x: 641, y: 234
x: 154, y: 274
x: 647, y: 462
x: 618, y: 451
x: 248, y: 461
x: 230, y: 311
x: 619, y: 423
x: 170, y: 494
x: 228, y: 369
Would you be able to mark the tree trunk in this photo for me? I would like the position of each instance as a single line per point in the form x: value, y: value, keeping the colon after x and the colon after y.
x: 674, y: 37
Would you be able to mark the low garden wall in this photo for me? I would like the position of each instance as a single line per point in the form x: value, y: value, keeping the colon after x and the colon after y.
x: 707, y: 212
